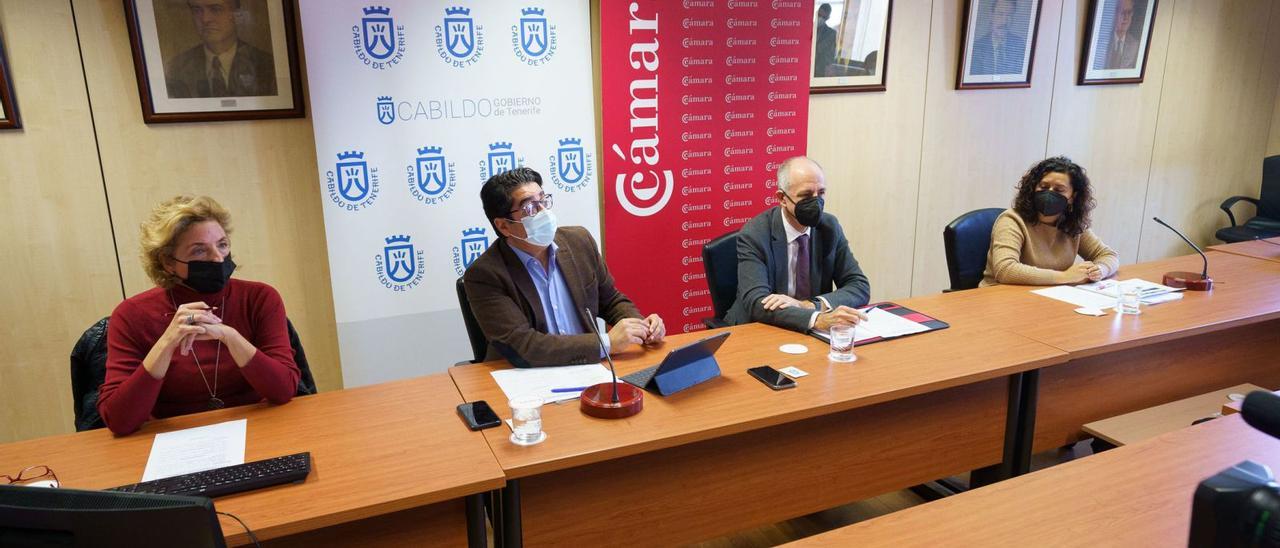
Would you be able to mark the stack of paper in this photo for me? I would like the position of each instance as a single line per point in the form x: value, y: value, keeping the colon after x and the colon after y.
x: 538, y: 382
x: 879, y: 324
x: 1101, y: 295
x: 196, y: 450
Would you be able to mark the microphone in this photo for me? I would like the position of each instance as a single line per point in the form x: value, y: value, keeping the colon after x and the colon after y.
x: 627, y: 400
x: 1261, y: 409
x: 595, y: 327
x: 1188, y: 280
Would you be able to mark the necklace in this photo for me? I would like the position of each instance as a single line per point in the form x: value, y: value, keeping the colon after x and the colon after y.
x: 214, y: 401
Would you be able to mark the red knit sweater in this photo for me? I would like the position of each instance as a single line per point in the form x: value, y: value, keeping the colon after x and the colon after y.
x: 130, y: 395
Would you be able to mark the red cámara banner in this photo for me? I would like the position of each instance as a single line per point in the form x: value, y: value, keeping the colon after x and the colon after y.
x: 702, y: 99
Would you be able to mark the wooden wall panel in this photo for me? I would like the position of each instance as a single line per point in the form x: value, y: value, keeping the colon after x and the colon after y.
x: 869, y: 145
x: 263, y: 171
x: 60, y: 272
x: 1213, y: 125
x: 977, y: 143
x: 1110, y: 130
x: 1273, y: 147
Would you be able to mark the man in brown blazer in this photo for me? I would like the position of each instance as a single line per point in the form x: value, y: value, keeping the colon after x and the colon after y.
x: 530, y: 288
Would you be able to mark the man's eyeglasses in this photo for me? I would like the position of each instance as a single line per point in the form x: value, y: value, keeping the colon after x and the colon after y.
x: 532, y: 207
x: 32, y: 474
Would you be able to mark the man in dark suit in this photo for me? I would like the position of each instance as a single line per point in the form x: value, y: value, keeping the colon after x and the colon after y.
x: 824, y: 50
x: 529, y: 289
x: 1122, y: 51
x: 222, y: 65
x: 795, y: 269
x: 1002, y: 49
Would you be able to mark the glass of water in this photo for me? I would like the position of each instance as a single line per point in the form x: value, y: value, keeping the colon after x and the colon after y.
x: 526, y: 422
x: 842, y: 344
x: 1130, y: 300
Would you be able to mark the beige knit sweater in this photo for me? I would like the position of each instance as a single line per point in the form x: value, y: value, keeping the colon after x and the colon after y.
x: 1040, y: 254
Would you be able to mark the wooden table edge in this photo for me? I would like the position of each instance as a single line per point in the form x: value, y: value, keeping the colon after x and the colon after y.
x: 352, y: 515
x: 587, y: 458
x: 1202, y: 329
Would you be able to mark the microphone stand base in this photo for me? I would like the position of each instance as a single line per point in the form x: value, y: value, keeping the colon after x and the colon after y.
x: 597, y: 401
x: 1191, y: 281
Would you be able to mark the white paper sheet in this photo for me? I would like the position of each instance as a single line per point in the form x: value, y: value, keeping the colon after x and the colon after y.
x: 879, y: 323
x: 1077, y: 296
x: 1111, y: 288
x: 196, y: 450
x: 538, y: 382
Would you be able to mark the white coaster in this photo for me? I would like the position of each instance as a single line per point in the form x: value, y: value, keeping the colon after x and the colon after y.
x: 794, y: 348
x: 1091, y: 311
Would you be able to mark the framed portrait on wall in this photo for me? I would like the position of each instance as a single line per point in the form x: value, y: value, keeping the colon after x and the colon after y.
x: 850, y: 45
x: 214, y: 60
x: 998, y: 43
x: 9, y: 118
x: 1116, y: 38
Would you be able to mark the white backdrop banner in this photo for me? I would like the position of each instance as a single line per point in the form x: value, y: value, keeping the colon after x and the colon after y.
x: 416, y: 103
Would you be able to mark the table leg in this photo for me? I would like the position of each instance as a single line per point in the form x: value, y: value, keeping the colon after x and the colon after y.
x: 511, y: 528
x: 475, y: 521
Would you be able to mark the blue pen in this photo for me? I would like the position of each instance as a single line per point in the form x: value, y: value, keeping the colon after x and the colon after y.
x: 573, y: 389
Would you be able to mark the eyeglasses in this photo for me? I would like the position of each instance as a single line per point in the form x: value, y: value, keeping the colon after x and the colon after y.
x: 532, y: 207
x: 32, y: 474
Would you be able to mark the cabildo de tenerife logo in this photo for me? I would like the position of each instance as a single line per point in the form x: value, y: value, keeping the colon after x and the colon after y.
x: 533, y: 40
x: 459, y: 40
x: 472, y: 245
x: 352, y: 184
x: 378, y: 41
x: 501, y: 159
x: 571, y: 166
x: 386, y: 110
x: 432, y: 179
x: 400, y: 267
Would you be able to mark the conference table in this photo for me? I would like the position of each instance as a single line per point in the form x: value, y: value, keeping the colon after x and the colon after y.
x: 1136, y: 495
x: 391, y: 466
x: 1119, y: 364
x: 1016, y: 373
x: 731, y: 453
x: 1268, y: 249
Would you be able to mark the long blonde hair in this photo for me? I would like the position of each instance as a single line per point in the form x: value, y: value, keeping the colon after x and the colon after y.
x: 168, y: 220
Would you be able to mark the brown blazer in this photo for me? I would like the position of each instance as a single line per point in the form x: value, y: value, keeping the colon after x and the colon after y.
x: 507, y: 307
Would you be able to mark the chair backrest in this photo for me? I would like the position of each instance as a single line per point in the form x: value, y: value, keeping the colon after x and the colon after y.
x: 720, y: 260
x: 479, y: 344
x: 966, y: 241
x: 306, y: 382
x: 1269, y: 197
x: 89, y: 370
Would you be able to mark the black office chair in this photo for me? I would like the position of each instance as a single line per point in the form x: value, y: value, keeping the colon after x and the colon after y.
x: 1266, y: 223
x: 89, y: 369
x: 720, y: 260
x: 479, y: 343
x: 966, y: 241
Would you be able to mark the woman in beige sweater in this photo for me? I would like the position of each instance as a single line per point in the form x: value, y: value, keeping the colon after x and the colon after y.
x: 1037, y: 241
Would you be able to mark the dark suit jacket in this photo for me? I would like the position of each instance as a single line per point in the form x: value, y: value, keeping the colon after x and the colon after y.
x: 762, y: 271
x: 507, y: 307
x: 983, y: 61
x: 253, y: 73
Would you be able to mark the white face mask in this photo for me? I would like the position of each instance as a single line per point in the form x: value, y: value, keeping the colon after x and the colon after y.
x: 539, y: 229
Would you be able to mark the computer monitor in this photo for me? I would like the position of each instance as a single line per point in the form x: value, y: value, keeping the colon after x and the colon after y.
x: 44, y: 517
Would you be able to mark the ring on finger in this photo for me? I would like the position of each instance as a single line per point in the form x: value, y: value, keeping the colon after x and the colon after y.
x: 191, y: 319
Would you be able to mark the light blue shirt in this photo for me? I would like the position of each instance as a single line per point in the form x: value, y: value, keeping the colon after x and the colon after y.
x: 557, y: 303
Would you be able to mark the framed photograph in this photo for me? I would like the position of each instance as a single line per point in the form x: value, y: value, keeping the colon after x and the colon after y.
x: 215, y: 60
x: 9, y: 118
x: 850, y: 45
x: 1116, y: 41
x: 998, y: 44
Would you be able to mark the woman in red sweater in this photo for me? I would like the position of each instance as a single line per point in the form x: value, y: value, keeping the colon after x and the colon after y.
x: 199, y: 340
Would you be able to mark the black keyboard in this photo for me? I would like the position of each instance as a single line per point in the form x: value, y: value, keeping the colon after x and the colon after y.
x: 229, y: 480
x: 642, y: 377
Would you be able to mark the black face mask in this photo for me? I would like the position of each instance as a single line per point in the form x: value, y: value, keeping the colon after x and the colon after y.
x: 1050, y: 203
x: 208, y: 276
x: 809, y: 210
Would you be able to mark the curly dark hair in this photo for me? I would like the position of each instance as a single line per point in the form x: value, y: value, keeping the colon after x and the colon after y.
x: 1075, y: 220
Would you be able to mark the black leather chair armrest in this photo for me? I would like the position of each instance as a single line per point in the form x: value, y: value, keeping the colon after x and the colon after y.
x: 713, y: 323
x: 1226, y: 206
